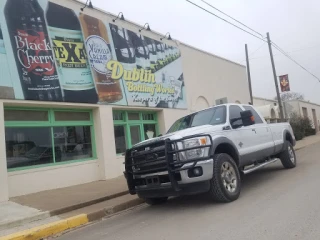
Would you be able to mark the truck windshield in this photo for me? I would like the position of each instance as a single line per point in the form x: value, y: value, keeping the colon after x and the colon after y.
x: 212, y: 116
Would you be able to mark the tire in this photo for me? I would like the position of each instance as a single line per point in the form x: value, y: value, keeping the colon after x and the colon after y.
x: 225, y: 184
x: 288, y: 156
x: 156, y: 201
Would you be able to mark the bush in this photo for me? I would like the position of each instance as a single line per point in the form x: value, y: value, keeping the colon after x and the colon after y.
x: 301, y: 126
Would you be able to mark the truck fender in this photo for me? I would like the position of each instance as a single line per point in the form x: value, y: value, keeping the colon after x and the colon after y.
x: 287, y: 137
x: 222, y: 143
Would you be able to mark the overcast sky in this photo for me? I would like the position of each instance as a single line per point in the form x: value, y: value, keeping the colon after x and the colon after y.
x: 293, y: 25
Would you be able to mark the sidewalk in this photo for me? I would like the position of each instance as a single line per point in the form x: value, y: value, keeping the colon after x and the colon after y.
x: 48, y: 206
x: 307, y: 141
x: 64, y: 200
x: 62, y: 209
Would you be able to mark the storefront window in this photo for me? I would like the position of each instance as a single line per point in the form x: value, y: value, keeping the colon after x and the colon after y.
x: 46, y: 137
x: 120, y: 138
x: 28, y: 146
x: 133, y: 127
x: 149, y: 130
x: 72, y: 143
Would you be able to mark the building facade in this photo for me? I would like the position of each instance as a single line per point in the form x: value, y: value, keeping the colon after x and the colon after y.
x: 270, y: 110
x: 79, y: 87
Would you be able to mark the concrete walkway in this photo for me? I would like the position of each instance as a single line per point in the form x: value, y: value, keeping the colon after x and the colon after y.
x: 307, y: 141
x: 63, y: 200
x: 27, y: 210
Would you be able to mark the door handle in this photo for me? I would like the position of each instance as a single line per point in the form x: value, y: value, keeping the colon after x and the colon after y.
x: 253, y: 130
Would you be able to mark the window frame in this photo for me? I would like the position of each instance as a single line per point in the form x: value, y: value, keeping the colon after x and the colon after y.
x: 51, y: 123
x: 127, y: 123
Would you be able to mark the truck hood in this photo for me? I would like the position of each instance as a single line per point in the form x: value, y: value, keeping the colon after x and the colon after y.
x: 183, y: 133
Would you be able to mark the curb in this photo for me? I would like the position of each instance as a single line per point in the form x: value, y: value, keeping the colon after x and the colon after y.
x: 86, y: 204
x: 57, y: 227
x: 19, y: 222
x: 98, y: 215
x: 48, y: 229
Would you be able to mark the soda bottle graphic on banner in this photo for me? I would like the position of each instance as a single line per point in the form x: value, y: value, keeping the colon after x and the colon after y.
x: 70, y: 53
x: 99, y: 54
x: 32, y: 50
x: 141, y: 50
x: 123, y: 47
x: 6, y: 89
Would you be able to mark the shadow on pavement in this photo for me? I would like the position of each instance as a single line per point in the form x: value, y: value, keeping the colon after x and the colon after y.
x: 249, y: 183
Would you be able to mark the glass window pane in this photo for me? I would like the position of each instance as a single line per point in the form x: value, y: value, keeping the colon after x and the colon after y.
x: 25, y: 115
x: 72, y: 116
x: 120, y: 139
x: 148, y: 116
x: 235, y: 116
x: 133, y: 116
x: 257, y: 118
x: 72, y: 143
x: 135, y: 134
x: 28, y: 146
x: 149, y: 131
x: 117, y: 116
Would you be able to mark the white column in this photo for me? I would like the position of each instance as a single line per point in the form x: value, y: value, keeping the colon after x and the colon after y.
x: 4, y: 191
x: 110, y: 164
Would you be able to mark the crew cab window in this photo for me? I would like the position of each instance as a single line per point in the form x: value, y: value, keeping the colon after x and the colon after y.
x: 234, y: 113
x: 212, y: 116
x: 257, y: 118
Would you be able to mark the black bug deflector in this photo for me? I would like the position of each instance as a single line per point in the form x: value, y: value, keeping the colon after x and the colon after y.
x: 160, y: 156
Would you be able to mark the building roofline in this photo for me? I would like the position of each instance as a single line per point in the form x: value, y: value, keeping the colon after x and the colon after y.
x: 304, y: 101
x: 266, y: 99
x: 160, y: 34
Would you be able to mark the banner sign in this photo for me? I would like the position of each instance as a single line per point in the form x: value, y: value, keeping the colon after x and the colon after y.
x: 284, y: 83
x: 52, y: 53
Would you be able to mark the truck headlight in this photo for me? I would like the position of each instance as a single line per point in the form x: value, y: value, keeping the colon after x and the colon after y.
x: 197, y: 152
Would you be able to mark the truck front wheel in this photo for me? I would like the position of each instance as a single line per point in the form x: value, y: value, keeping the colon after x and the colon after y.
x: 225, y: 184
x: 288, y: 156
x: 156, y: 201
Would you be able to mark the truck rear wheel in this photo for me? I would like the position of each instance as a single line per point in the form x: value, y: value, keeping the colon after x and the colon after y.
x: 288, y: 156
x: 156, y: 201
x: 225, y: 184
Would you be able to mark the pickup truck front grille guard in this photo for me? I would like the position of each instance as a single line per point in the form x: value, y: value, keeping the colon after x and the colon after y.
x: 172, y: 166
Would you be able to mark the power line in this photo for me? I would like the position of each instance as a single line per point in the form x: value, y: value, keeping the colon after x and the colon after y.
x: 232, y: 18
x: 288, y: 56
x: 257, y: 49
x: 262, y: 39
x: 225, y: 20
x: 252, y: 53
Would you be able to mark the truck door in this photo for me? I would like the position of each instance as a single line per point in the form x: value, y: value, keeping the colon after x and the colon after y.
x: 244, y: 137
x: 264, y: 141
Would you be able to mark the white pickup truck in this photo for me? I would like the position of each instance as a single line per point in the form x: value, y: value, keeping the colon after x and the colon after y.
x: 207, y: 151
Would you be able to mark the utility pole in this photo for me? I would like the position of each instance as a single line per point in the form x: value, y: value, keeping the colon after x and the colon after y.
x: 275, y: 79
x: 248, y: 73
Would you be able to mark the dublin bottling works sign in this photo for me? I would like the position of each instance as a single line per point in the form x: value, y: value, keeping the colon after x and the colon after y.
x: 52, y: 53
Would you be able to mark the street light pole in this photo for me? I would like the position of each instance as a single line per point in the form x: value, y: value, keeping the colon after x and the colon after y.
x: 275, y: 78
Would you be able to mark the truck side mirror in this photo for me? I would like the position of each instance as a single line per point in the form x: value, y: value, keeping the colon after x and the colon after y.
x: 247, y: 118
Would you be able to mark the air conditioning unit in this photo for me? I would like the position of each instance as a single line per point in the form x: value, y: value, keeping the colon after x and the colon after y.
x: 221, y: 101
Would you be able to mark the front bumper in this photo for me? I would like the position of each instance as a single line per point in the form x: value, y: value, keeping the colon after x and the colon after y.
x: 175, y: 178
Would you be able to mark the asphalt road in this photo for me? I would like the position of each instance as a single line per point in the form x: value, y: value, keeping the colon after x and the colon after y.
x: 274, y: 204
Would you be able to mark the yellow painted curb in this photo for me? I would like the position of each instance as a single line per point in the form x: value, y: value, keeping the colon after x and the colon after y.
x: 48, y: 229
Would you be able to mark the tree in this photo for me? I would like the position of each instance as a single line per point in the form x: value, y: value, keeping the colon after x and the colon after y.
x: 287, y: 96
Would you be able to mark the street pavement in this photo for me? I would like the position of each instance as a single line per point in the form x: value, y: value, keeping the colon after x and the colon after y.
x: 274, y: 204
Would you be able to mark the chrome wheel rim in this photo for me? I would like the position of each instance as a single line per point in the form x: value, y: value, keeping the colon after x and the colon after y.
x: 229, y: 177
x: 291, y: 154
